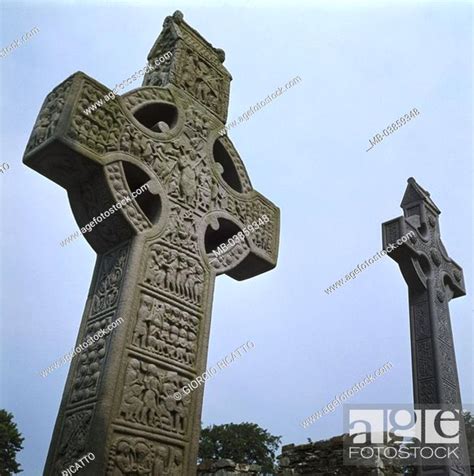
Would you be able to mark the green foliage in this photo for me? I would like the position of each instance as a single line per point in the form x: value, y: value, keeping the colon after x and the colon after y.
x: 10, y: 443
x: 245, y: 443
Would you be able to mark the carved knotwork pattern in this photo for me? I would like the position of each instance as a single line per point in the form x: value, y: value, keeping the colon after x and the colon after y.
x: 427, y: 392
x: 117, y: 180
x: 166, y: 331
x: 424, y: 359
x: 72, y: 445
x: 110, y: 279
x: 133, y: 456
x: 421, y: 320
x: 443, y: 326
x: 447, y: 363
x: 148, y: 398
x: 449, y: 394
x: 440, y: 295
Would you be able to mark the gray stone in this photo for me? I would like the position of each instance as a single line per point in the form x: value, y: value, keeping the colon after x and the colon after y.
x: 227, y: 467
x: 225, y: 463
x: 433, y: 279
x: 155, y: 267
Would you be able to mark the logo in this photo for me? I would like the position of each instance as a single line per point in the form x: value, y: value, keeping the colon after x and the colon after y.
x: 401, y: 435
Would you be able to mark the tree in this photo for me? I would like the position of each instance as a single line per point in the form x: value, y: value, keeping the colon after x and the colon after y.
x: 245, y: 443
x: 10, y: 443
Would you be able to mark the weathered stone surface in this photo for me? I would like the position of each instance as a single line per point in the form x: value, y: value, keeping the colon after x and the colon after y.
x: 155, y: 266
x: 433, y: 279
x: 325, y: 458
x: 226, y: 467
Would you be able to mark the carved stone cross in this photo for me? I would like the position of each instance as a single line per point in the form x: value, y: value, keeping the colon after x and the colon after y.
x: 153, y: 267
x: 433, y: 279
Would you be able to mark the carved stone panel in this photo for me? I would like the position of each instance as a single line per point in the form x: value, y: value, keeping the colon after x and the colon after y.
x: 421, y: 320
x: 72, y: 442
x: 166, y: 331
x: 134, y: 456
x: 424, y: 359
x: 90, y: 362
x: 148, y: 399
x: 110, y: 279
x: 49, y: 115
x: 175, y: 273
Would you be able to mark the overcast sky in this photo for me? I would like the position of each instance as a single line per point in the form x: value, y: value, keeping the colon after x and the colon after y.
x: 362, y: 65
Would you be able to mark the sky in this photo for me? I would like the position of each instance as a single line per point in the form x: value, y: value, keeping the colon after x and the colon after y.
x: 363, y: 65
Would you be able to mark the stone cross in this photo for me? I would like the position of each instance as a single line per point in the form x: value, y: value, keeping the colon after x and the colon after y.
x: 153, y: 266
x: 433, y: 279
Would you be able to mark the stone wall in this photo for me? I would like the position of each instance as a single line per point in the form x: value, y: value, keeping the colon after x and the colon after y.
x: 325, y: 458
x: 226, y: 467
x: 320, y: 458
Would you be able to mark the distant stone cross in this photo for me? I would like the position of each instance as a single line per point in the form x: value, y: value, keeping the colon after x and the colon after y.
x: 433, y: 279
x: 153, y: 267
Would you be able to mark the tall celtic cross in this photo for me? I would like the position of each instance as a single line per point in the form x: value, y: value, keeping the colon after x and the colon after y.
x: 155, y: 268
x: 433, y: 279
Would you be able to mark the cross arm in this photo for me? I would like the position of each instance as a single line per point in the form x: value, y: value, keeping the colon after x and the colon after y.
x: 409, y: 250
x: 82, y: 154
x: 255, y: 221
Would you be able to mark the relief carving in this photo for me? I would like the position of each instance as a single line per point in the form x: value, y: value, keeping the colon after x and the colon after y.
x: 110, y: 279
x: 176, y: 273
x: 427, y: 393
x: 202, y: 81
x: 72, y: 444
x: 447, y: 363
x: 91, y: 362
x: 421, y: 320
x: 138, y: 457
x: 49, y: 115
x: 424, y: 359
x: 166, y: 331
x: 148, y: 398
